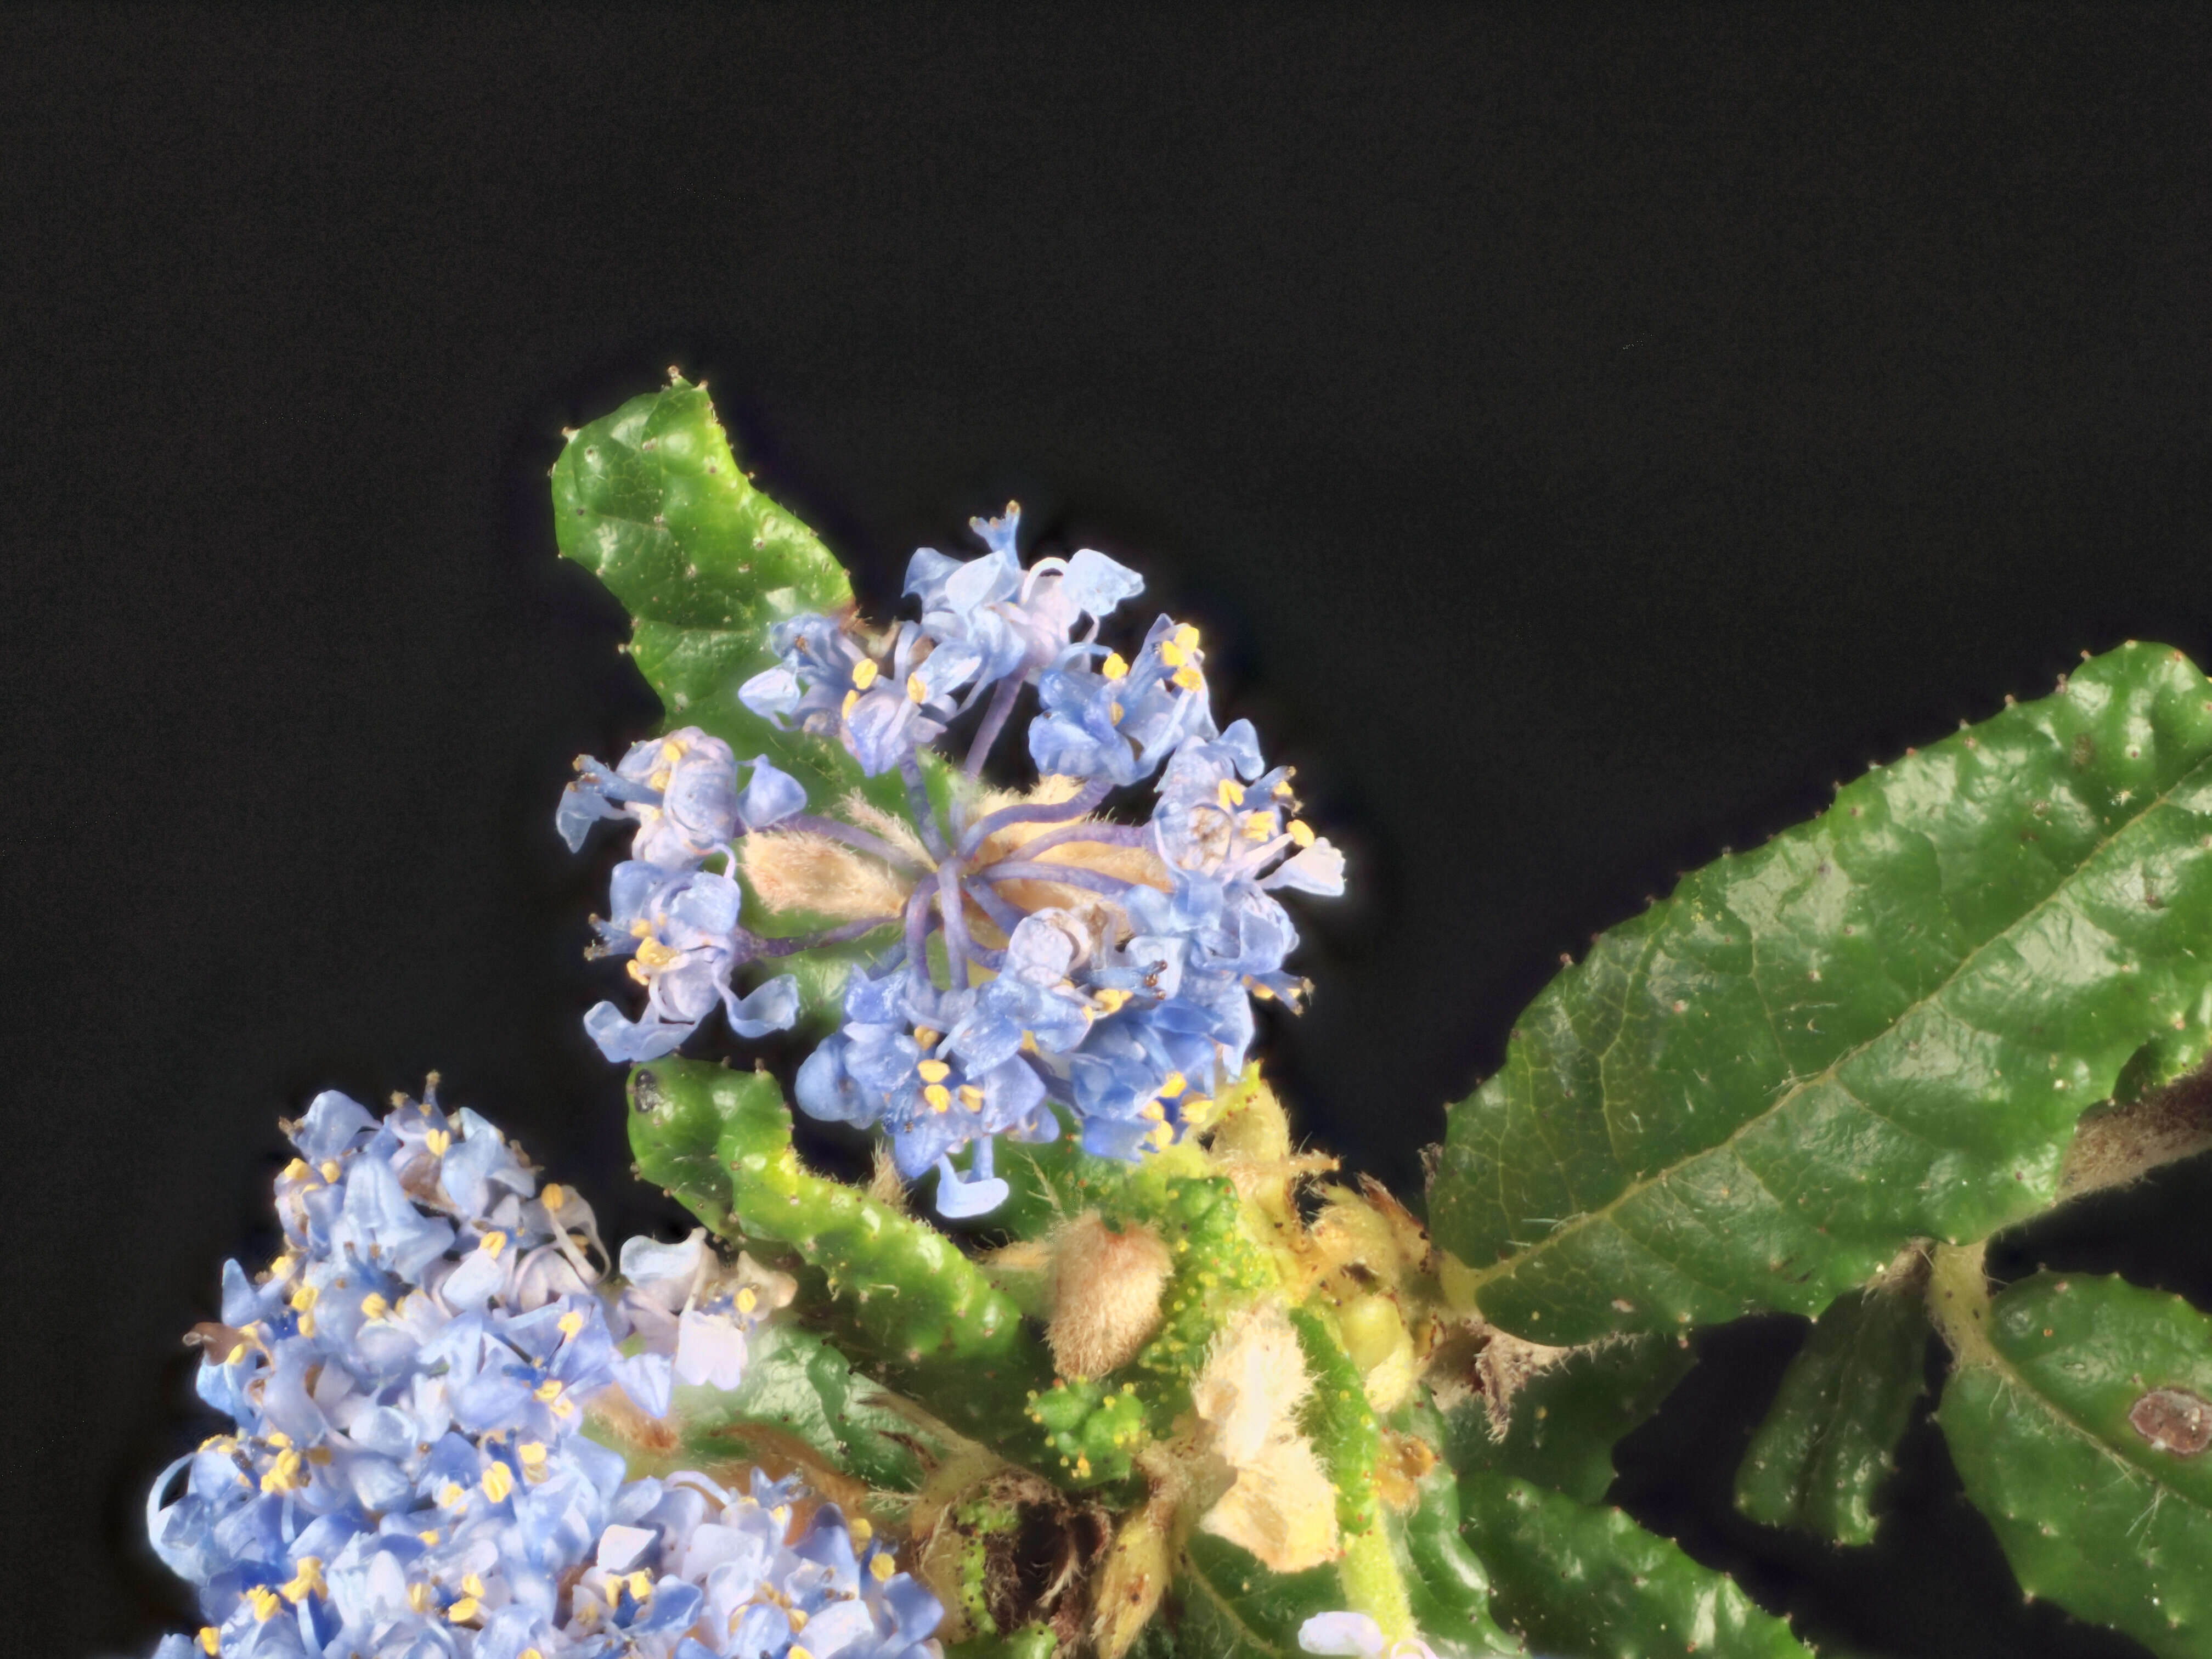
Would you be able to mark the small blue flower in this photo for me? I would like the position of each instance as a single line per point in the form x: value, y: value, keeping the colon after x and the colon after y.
x: 682, y: 791
x: 1120, y: 720
x: 1017, y: 622
x: 682, y: 934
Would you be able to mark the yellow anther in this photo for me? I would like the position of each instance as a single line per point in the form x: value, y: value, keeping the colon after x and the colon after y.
x: 421, y: 1597
x: 797, y: 1617
x: 465, y: 1610
x: 1229, y: 792
x: 934, y: 1071
x: 287, y: 1473
x: 654, y: 954
x: 1187, y: 678
x: 1154, y: 1110
x: 1162, y: 1137
x: 748, y: 1299
x: 307, y: 1581
x: 530, y: 1653
x: 1082, y: 1464
x: 266, y: 1602
x: 1259, y: 826
x: 861, y: 1530
x: 554, y: 1196
x: 640, y: 1584
x: 1116, y: 666
x: 971, y: 1097
x: 846, y: 708
x: 864, y: 673
x: 924, y: 1038
x: 373, y: 1306
x: 297, y: 1170
x: 1173, y: 654
x: 1173, y: 1084
x: 498, y: 1482
x: 547, y: 1392
x: 1110, y: 999
x: 938, y: 1097
x: 278, y: 1438
x: 671, y: 751
x: 568, y: 1324
x: 440, y: 1141
x: 1029, y: 1042
x: 330, y: 1169
x: 1187, y: 637
x: 304, y: 1298
x: 916, y: 690
x: 452, y: 1496
x: 1114, y: 712
x: 533, y: 1455
x: 429, y: 1537
x: 881, y: 1569
x: 493, y: 1242
x: 1301, y: 832
x: 782, y: 1515
x: 796, y: 1651
x: 284, y: 1267
x: 211, y: 1639
x: 306, y: 1324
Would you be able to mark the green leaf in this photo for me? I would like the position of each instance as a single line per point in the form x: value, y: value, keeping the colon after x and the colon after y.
x: 1445, y: 1582
x: 1226, y: 1606
x: 1566, y: 1421
x: 798, y: 1388
x: 1037, y: 1642
x: 1827, y: 1440
x: 2079, y: 1418
x: 902, y: 1297
x: 1575, y: 1580
x: 650, y: 500
x: 1880, y: 1025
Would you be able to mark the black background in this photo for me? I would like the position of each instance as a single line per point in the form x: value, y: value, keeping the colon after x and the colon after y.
x: 1586, y: 433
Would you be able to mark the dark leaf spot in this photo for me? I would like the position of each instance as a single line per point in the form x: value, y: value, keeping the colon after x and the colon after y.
x: 2174, y: 1420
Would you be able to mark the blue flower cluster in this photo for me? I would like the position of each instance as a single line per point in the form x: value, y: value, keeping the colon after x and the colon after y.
x: 1048, y: 962
x: 407, y: 1478
x: 677, y: 921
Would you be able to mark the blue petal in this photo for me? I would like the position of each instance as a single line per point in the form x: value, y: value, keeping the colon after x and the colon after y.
x: 770, y: 1008
x: 1097, y: 584
x: 958, y: 1199
x: 770, y: 795
x: 626, y: 1041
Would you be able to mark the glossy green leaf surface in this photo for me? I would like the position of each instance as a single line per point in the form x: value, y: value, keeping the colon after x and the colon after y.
x: 1035, y: 1643
x: 1575, y: 1580
x: 1883, y: 1024
x: 798, y: 1388
x: 1446, y: 1585
x: 1225, y: 1605
x: 651, y: 500
x: 899, y: 1295
x: 2080, y: 1428
x: 1566, y: 1420
x: 1827, y: 1440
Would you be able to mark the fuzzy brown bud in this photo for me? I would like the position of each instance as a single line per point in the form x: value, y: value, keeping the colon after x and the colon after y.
x: 1106, y: 1288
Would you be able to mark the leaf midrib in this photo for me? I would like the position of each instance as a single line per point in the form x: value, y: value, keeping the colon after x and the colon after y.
x: 1258, y: 1642
x: 1573, y: 1225
x: 2011, y: 1376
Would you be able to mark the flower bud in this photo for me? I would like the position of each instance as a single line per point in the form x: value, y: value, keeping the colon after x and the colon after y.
x: 1106, y: 1294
